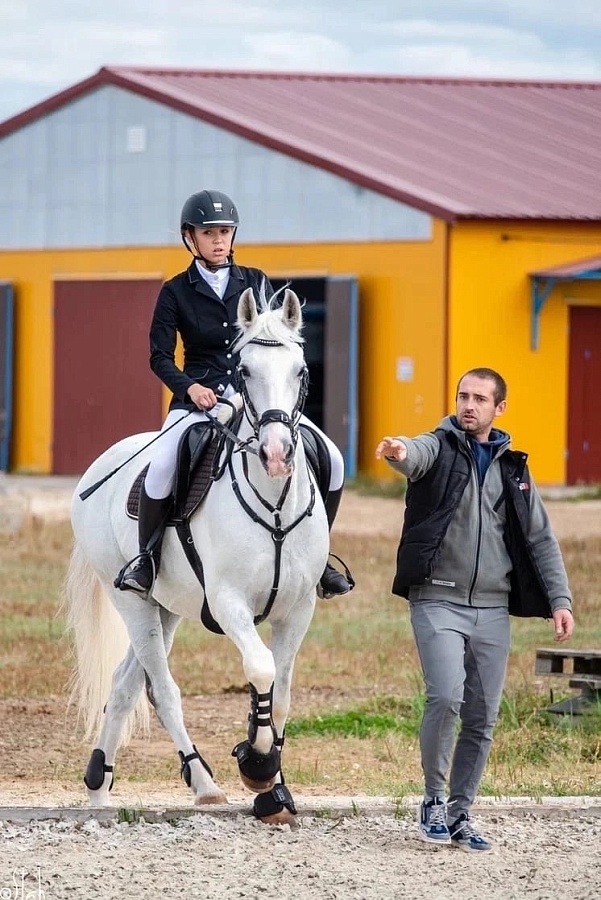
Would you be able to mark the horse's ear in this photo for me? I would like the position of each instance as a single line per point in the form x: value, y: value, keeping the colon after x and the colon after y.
x: 291, y: 310
x: 247, y: 309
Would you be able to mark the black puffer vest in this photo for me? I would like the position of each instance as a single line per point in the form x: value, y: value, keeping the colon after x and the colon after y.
x: 431, y: 502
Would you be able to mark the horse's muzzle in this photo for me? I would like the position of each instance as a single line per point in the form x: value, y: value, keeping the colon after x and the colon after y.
x: 277, y: 458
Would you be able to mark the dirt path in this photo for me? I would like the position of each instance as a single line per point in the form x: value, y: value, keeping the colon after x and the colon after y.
x: 50, y: 497
x: 362, y: 857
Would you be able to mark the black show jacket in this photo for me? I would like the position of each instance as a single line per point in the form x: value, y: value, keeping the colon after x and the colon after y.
x: 207, y: 326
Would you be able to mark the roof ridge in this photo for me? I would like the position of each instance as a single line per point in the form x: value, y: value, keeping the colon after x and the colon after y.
x: 364, y: 77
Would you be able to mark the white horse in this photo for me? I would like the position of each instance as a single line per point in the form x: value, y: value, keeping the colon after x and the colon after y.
x: 262, y: 536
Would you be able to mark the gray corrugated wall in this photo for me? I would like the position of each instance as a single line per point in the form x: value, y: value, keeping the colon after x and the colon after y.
x: 112, y: 169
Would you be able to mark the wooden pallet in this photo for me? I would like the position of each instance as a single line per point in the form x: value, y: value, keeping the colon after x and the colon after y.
x: 582, y: 668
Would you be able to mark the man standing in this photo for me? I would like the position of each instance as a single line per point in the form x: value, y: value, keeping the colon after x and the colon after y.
x: 476, y: 547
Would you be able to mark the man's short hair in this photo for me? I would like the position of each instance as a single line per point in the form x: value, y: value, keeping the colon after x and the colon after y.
x: 500, y: 391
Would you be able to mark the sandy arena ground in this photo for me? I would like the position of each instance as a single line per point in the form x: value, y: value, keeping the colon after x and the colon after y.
x: 345, y: 847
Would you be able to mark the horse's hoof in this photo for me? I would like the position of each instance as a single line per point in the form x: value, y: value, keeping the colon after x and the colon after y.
x: 257, y: 787
x: 276, y: 807
x: 211, y: 799
x: 285, y: 817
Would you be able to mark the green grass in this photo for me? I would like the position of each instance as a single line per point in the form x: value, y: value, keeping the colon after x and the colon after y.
x: 372, y: 487
x: 357, y: 672
x: 535, y: 752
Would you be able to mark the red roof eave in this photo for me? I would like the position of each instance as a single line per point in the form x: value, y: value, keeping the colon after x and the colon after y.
x: 53, y: 103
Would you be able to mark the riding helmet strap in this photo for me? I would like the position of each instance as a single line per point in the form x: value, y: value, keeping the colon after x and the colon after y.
x: 185, y: 771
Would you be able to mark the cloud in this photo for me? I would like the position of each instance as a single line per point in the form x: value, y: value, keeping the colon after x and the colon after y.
x: 476, y: 49
x: 45, y: 47
x: 457, y: 59
x: 463, y: 31
x: 543, y: 14
x: 297, y: 51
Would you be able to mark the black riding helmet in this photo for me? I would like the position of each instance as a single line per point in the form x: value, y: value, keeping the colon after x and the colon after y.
x: 204, y: 210
x: 208, y: 208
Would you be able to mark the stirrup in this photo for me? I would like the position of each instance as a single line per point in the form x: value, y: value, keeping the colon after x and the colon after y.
x: 121, y: 582
x: 323, y: 595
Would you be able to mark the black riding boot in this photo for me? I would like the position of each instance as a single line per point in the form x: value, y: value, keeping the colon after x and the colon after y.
x: 139, y: 574
x: 333, y: 583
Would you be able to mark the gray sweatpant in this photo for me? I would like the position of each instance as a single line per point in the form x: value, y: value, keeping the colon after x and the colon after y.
x: 463, y: 652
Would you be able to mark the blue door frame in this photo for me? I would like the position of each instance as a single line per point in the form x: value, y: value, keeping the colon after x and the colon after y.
x: 6, y: 371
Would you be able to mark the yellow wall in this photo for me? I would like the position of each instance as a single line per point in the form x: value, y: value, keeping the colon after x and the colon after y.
x: 403, y: 310
x: 489, y: 325
x: 401, y: 288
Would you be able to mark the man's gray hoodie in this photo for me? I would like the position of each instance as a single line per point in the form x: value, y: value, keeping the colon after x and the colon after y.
x: 472, y: 566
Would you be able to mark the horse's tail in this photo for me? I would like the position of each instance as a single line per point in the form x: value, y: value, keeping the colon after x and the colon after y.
x: 100, y: 642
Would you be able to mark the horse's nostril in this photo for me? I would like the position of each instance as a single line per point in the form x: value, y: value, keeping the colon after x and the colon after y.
x: 263, y: 454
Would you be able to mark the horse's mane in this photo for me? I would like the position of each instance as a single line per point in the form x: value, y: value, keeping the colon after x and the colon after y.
x: 269, y: 324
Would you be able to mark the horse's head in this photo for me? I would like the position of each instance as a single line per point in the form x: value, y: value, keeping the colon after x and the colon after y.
x: 273, y: 376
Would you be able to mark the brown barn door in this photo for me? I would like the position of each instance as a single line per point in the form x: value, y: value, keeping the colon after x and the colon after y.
x: 103, y: 387
x: 584, y: 396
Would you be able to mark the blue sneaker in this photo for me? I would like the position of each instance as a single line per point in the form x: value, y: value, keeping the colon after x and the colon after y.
x: 432, y: 822
x: 464, y: 835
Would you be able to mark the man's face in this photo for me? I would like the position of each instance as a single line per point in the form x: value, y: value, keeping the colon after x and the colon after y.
x: 476, y: 407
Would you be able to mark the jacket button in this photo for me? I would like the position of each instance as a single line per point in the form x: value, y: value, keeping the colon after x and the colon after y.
x: 228, y: 355
x: 226, y: 342
x: 225, y: 324
x: 221, y: 388
x: 229, y: 371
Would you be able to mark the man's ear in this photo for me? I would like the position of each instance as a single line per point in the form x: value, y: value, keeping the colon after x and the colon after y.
x: 501, y: 407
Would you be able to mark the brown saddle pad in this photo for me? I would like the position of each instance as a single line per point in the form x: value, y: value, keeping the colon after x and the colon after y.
x: 199, y: 482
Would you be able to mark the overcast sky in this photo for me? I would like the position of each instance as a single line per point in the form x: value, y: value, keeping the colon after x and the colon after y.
x: 48, y: 45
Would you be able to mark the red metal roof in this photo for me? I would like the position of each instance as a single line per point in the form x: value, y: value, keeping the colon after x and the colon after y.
x: 455, y: 148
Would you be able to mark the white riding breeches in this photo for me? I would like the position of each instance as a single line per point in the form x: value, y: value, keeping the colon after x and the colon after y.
x: 161, y: 472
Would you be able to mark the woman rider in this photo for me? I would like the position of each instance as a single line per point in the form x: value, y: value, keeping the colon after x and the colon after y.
x: 200, y: 304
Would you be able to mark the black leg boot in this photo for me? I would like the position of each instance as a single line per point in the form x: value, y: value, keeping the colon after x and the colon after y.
x: 333, y: 583
x: 140, y: 573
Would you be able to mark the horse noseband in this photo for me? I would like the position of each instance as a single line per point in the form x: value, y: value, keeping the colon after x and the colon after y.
x: 274, y: 415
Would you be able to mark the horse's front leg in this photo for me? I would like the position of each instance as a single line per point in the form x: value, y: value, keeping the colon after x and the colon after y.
x: 277, y: 805
x: 258, y: 757
x: 146, y: 626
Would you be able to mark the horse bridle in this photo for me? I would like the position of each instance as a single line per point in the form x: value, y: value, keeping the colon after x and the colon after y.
x: 255, y: 421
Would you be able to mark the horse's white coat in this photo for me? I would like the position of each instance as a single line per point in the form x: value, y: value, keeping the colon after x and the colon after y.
x: 238, y: 559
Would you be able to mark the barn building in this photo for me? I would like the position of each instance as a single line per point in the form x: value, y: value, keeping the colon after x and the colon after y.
x: 431, y: 225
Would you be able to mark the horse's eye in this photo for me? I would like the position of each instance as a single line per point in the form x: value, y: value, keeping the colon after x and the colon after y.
x: 243, y: 372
